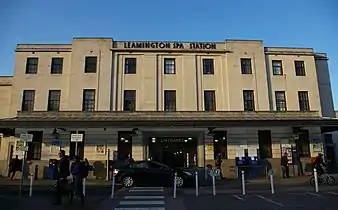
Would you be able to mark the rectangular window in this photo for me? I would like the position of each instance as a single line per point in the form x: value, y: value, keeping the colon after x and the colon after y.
x: 130, y: 66
x: 32, y: 65
x: 88, y: 103
x: 248, y: 100
x: 129, y: 100
x: 90, y: 64
x: 303, y: 98
x: 208, y: 66
x: 280, y: 101
x: 277, y: 68
x: 209, y: 101
x: 246, y: 66
x: 303, y: 144
x: 56, y: 66
x: 28, y: 100
x: 54, y: 100
x: 169, y: 66
x: 265, y: 144
x: 170, y: 100
x: 300, y: 68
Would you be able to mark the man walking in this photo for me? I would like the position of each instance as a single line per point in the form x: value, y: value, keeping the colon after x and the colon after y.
x: 79, y: 171
x: 61, y: 175
x: 285, y: 165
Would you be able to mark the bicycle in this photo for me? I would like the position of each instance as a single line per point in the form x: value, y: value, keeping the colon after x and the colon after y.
x: 325, y: 178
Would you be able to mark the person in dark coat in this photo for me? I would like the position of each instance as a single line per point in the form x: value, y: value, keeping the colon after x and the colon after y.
x: 14, y: 166
x: 61, y: 176
x: 285, y: 165
x: 79, y: 171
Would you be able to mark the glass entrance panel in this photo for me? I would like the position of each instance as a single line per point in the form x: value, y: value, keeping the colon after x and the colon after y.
x: 174, y: 151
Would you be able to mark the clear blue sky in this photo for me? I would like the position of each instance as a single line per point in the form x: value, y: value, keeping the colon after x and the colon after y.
x: 297, y: 23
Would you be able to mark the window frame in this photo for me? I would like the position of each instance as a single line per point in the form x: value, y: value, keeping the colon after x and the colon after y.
x: 55, y: 67
x: 32, y: 68
x: 303, y: 100
x: 54, y: 100
x: 169, y: 100
x: 169, y: 68
x: 246, y: 65
x: 281, y: 105
x: 28, y: 104
x: 130, y: 65
x: 208, y: 66
x: 88, y: 100
x: 277, y: 70
x: 90, y: 62
x: 300, y: 69
x: 249, y: 101
x: 209, y: 106
x: 131, y: 99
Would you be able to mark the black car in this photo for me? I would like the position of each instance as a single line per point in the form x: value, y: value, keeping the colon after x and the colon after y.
x: 150, y: 173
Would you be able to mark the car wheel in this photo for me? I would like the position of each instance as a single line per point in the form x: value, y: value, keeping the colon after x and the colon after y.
x: 127, y: 181
x: 179, y: 181
x: 312, y: 181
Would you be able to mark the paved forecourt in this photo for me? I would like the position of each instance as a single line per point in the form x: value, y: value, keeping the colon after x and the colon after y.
x: 286, y: 200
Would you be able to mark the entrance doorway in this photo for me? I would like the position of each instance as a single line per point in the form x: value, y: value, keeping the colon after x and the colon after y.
x: 174, y: 151
x: 124, y: 145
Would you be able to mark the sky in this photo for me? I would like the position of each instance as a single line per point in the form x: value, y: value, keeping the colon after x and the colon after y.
x: 288, y: 23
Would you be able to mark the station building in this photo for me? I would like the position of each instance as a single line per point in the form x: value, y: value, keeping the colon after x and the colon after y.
x: 179, y: 103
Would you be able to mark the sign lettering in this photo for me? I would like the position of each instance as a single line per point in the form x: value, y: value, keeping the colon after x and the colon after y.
x: 168, y: 45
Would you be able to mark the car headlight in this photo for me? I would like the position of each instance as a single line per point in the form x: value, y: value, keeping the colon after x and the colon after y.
x: 187, y: 173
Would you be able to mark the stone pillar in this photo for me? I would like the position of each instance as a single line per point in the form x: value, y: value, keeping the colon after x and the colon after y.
x: 138, y: 147
x: 209, y: 147
x: 200, y: 151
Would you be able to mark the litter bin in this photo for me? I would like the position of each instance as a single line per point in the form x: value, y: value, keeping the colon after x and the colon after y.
x: 52, y: 169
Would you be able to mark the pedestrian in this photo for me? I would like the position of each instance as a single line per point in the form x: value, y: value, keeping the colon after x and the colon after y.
x: 79, y: 170
x: 218, y: 164
x: 285, y: 165
x: 62, y: 173
x: 14, y: 166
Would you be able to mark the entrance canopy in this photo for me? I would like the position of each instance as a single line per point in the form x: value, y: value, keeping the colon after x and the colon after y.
x: 101, y: 119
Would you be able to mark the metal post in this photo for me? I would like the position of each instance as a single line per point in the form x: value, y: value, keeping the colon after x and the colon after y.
x: 187, y: 160
x: 175, y: 185
x: 31, y: 184
x: 112, y: 187
x: 213, y: 185
x: 272, y: 184
x: 316, y: 179
x: 84, y: 187
x: 76, y: 151
x: 196, y: 181
x: 243, y: 183
x: 23, y: 167
x: 107, y: 171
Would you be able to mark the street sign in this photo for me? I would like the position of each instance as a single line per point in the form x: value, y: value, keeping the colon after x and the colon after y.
x: 78, y: 137
x: 214, y: 172
x: 26, y: 137
x: 20, y: 146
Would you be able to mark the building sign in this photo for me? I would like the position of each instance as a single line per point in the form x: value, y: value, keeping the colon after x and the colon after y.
x: 173, y: 140
x: 169, y: 45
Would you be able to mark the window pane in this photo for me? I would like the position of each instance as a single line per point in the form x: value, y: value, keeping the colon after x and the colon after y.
x: 246, y: 66
x: 277, y: 67
x: 57, y: 65
x: 90, y: 64
x: 54, y: 100
x: 28, y: 100
x: 32, y: 65
x: 248, y: 100
x: 209, y: 100
x: 88, y: 100
x: 130, y: 66
x: 169, y: 66
x: 169, y: 100
x: 208, y: 66
x: 129, y: 100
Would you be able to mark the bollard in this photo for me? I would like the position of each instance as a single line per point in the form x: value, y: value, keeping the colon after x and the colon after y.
x: 84, y: 187
x: 31, y: 178
x: 316, y: 179
x: 112, y: 187
x: 213, y: 185
x: 108, y: 168
x: 272, y: 184
x: 196, y: 181
x: 243, y: 183
x: 175, y: 185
